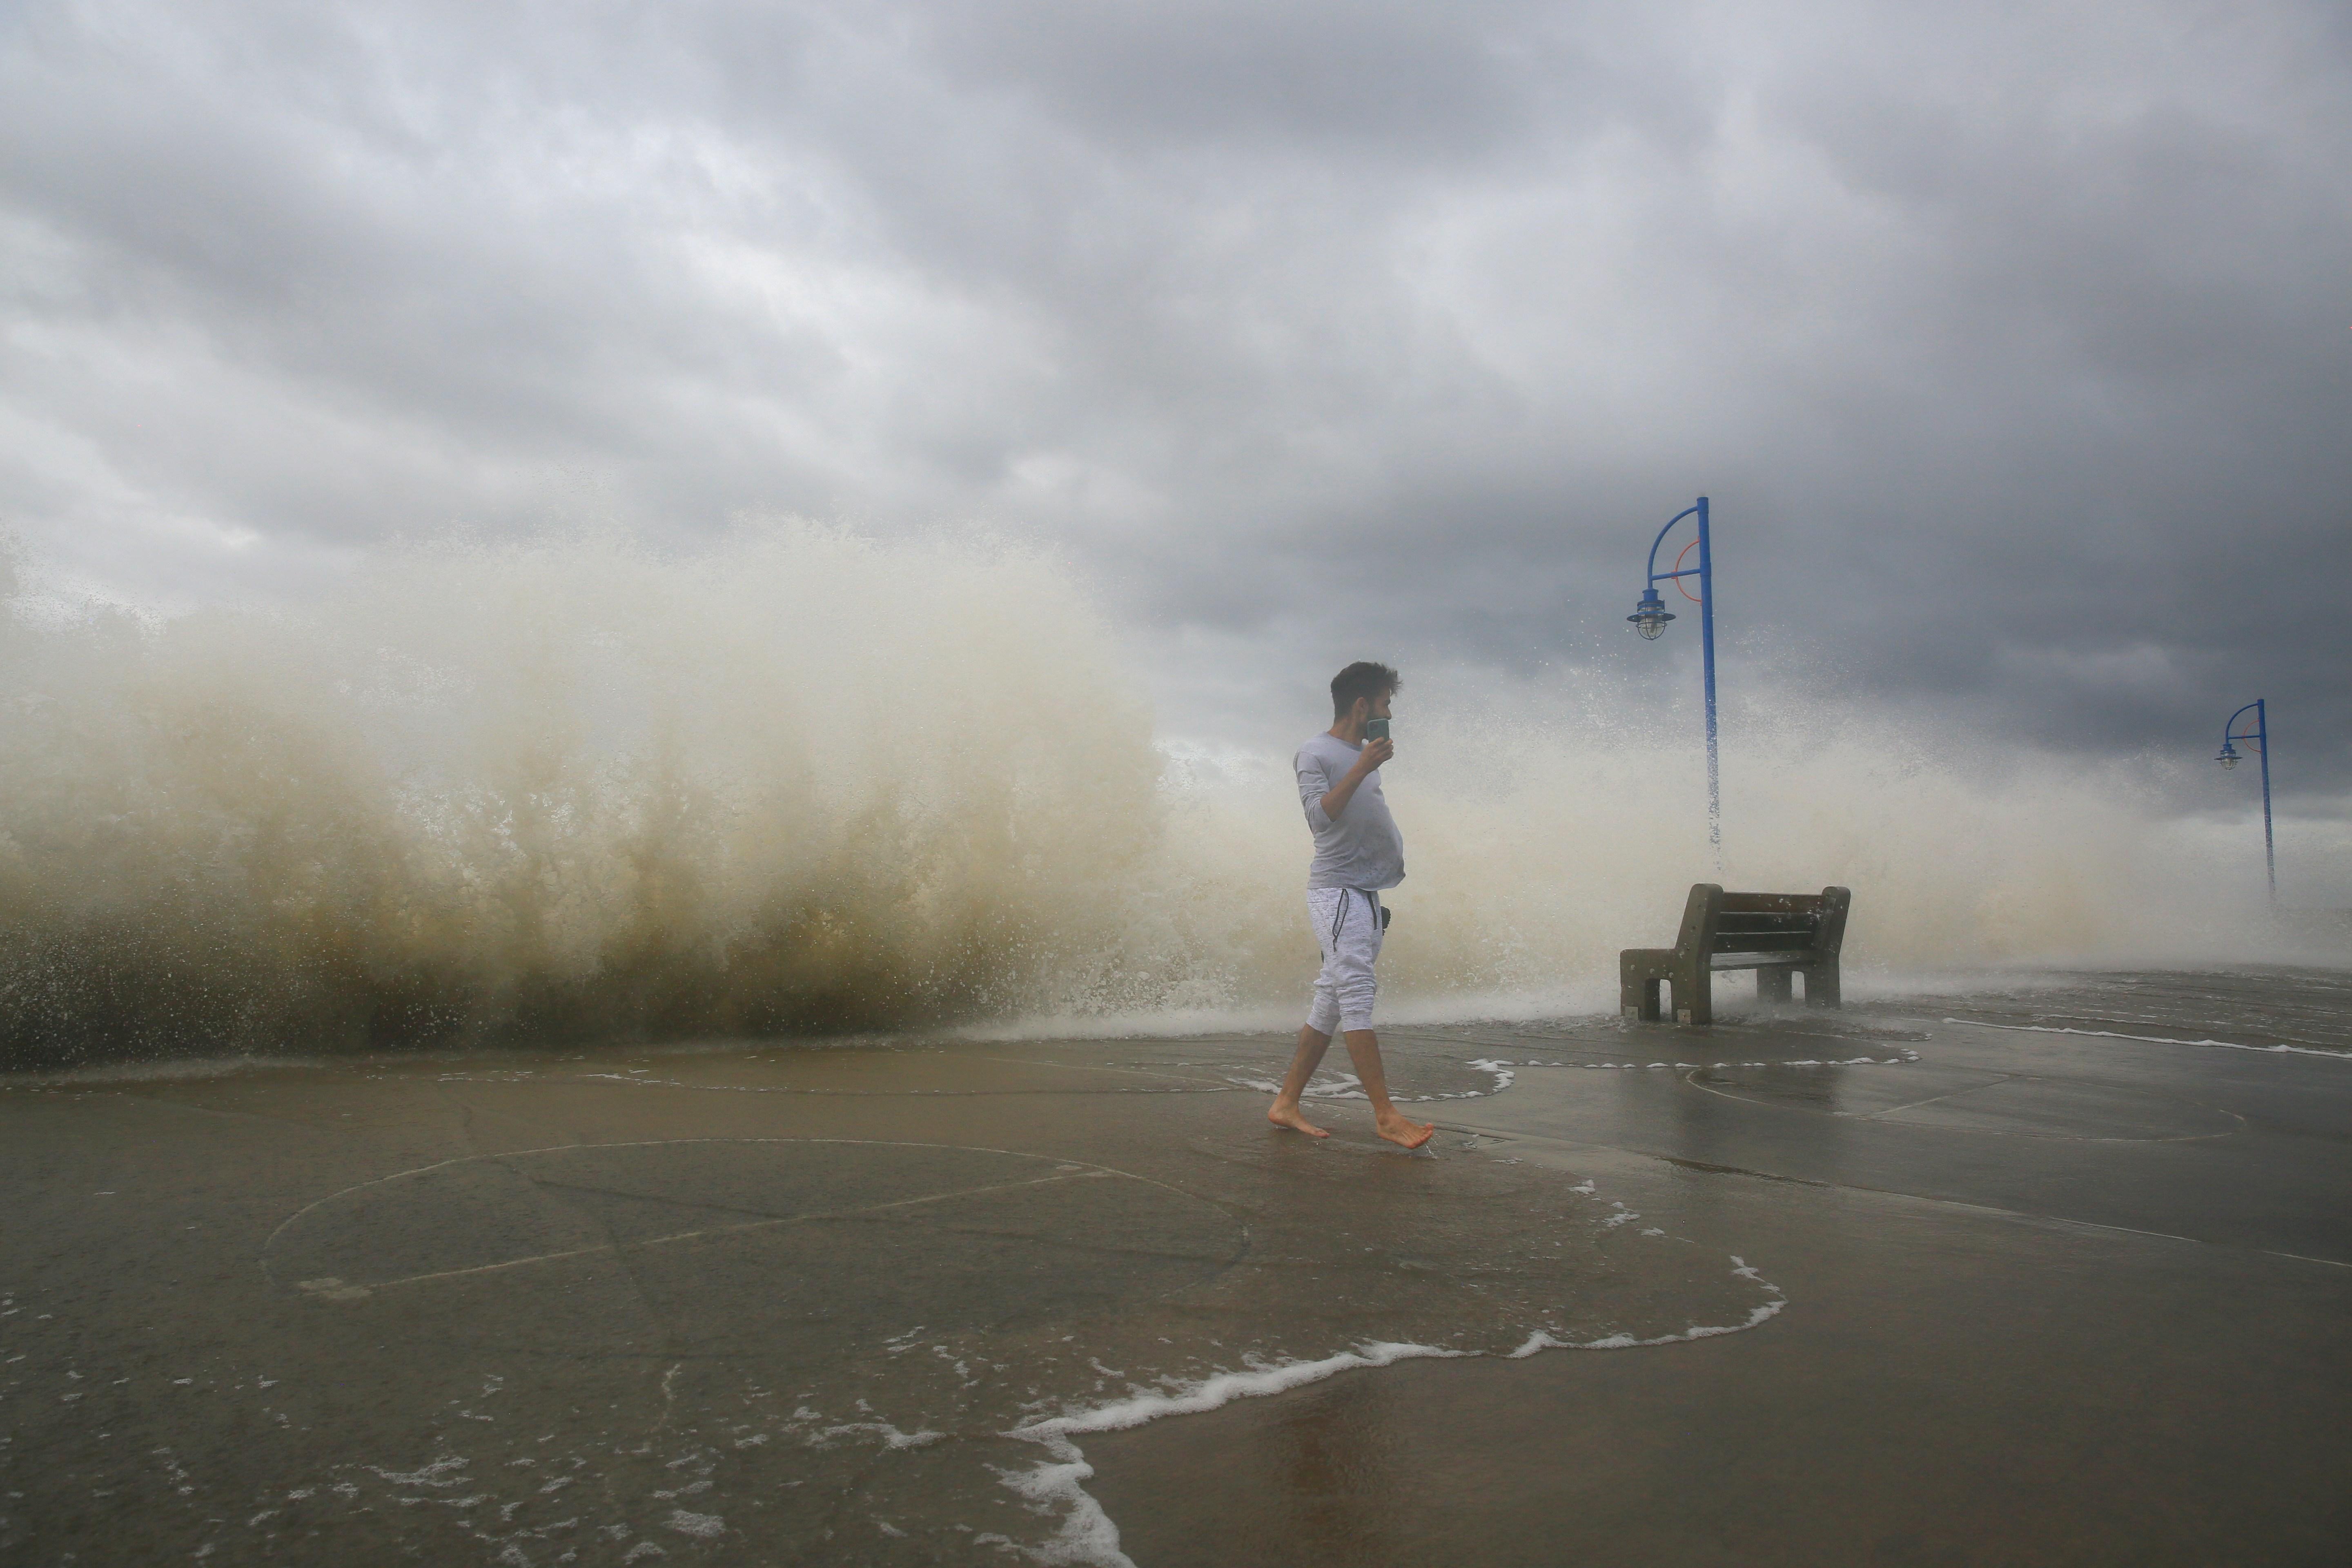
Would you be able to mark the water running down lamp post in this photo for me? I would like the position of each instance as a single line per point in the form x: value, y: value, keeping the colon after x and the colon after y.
x: 2260, y: 735
x: 1650, y: 617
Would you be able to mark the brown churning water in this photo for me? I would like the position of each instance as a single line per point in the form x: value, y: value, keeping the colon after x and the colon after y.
x: 809, y: 782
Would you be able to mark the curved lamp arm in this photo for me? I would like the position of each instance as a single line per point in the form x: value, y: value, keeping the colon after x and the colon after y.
x: 1654, y: 578
x: 2255, y: 734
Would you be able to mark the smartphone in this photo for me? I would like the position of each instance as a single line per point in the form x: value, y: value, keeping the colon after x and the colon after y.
x: 1376, y: 728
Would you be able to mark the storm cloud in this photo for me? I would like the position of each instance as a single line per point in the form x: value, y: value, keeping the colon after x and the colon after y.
x: 2012, y: 342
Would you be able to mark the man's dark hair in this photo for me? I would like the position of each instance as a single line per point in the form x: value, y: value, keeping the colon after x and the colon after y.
x: 1362, y: 678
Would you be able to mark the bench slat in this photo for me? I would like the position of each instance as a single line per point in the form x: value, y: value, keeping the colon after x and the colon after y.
x: 1756, y: 960
x: 1768, y: 922
x: 1771, y: 903
x: 1760, y: 942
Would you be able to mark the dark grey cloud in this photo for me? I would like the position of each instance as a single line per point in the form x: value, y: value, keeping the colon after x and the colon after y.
x: 2012, y: 342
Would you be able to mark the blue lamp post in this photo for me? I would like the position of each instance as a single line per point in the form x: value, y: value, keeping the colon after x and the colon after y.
x: 2260, y: 735
x: 1650, y: 617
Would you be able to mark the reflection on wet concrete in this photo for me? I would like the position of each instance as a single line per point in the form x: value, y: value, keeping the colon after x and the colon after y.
x: 2261, y: 1009
x: 2005, y: 1104
x: 2092, y: 1313
x: 923, y: 1301
x: 766, y: 1302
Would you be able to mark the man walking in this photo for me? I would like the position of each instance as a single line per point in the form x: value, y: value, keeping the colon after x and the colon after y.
x: 1358, y: 853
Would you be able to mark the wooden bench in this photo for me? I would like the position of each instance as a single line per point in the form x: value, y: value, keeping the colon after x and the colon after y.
x: 1775, y: 934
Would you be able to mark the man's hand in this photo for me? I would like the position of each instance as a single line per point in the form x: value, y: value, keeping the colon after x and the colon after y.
x: 1374, y: 754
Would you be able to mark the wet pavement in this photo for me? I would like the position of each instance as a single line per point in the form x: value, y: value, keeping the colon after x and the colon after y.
x: 2057, y: 1270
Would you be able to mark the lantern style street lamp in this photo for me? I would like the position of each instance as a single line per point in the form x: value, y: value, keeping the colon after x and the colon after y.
x: 2260, y: 738
x: 1650, y: 617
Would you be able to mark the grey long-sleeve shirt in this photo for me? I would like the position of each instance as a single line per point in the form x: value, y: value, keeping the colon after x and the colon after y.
x: 1362, y: 848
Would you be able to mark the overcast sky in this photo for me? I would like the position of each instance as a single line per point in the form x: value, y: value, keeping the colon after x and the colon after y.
x: 2013, y: 341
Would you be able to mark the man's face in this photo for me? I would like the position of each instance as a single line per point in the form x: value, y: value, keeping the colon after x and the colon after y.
x: 1376, y: 707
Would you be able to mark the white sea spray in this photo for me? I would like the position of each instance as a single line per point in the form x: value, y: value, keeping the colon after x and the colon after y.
x: 803, y: 781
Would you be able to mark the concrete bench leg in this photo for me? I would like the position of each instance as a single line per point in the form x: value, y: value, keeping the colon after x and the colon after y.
x: 1640, y: 972
x: 1694, y: 994
x: 1821, y: 985
x: 1772, y: 985
x: 1682, y: 967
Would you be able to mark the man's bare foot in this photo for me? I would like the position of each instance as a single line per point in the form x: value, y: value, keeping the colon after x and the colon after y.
x: 1290, y: 1117
x: 1399, y: 1129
